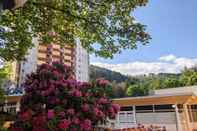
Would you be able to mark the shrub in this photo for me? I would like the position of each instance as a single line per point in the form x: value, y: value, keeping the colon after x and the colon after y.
x: 55, y: 101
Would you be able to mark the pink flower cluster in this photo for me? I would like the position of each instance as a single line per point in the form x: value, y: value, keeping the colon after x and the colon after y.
x: 54, y: 100
x: 102, y: 82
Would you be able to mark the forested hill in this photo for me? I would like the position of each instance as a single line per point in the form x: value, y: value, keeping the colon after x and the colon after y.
x: 124, y: 86
x: 98, y: 72
x: 112, y: 76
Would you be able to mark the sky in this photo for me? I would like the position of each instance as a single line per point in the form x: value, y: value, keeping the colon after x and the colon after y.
x: 172, y: 25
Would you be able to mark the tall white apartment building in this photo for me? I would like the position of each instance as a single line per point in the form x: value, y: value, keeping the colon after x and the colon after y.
x: 76, y: 57
x: 82, y: 63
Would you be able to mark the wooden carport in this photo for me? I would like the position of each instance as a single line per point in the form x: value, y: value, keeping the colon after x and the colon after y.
x: 184, y: 99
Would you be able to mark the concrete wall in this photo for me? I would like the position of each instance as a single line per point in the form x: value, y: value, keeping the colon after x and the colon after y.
x: 167, y: 119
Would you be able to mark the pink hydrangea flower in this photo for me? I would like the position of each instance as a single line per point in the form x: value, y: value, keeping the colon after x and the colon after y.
x: 103, y: 101
x: 73, y: 129
x: 62, y: 114
x: 64, y: 124
x: 75, y: 93
x: 96, y: 110
x: 39, y: 128
x: 76, y: 121
x: 50, y: 114
x: 116, y: 107
x: 85, y: 107
x: 102, y: 82
x: 71, y: 111
x: 86, y: 125
x: 16, y: 129
x: 25, y: 116
x: 98, y: 113
x: 39, y: 120
x: 111, y: 110
x: 92, y: 108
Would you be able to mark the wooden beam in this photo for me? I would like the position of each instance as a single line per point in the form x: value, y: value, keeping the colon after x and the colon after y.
x: 163, y: 100
x: 186, y: 114
x: 178, y: 120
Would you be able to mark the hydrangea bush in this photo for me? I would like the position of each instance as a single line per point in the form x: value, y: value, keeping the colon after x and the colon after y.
x: 55, y: 101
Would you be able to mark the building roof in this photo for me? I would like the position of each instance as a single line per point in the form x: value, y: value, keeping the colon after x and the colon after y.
x: 160, y: 99
x: 13, y: 99
x: 186, y: 89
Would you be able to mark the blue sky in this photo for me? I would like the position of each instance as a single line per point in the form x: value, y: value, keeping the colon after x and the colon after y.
x: 172, y: 25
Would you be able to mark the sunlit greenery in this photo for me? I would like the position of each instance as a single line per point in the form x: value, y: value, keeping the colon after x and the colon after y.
x: 5, y: 73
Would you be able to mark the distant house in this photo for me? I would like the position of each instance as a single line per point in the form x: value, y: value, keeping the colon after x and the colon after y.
x: 11, y: 104
x: 174, y: 108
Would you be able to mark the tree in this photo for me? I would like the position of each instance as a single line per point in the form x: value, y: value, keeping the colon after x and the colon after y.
x: 5, y: 71
x: 189, y: 76
x: 104, y: 27
x: 172, y: 83
x: 55, y: 101
x: 4, y: 76
x: 137, y: 90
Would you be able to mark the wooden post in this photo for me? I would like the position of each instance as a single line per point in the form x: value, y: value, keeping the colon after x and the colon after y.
x: 187, y: 117
x: 178, y: 122
x: 5, y: 107
x: 17, y: 106
x: 134, y: 115
x: 190, y: 113
x: 118, y: 119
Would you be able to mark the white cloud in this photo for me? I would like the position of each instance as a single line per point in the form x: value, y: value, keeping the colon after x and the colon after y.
x: 168, y: 58
x: 166, y: 64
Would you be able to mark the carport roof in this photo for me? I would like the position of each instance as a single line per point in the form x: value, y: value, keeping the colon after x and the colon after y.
x: 163, y: 99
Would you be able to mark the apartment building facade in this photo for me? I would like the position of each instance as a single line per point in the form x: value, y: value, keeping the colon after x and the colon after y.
x: 75, y: 57
x: 46, y: 53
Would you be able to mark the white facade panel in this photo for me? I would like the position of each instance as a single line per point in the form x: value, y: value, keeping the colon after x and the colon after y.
x: 29, y: 65
x: 82, y: 63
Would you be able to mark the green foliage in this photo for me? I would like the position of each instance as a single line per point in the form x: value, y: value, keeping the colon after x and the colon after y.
x: 4, y: 75
x: 137, y: 90
x: 108, y: 25
x: 189, y: 76
x: 5, y: 72
x: 3, y: 129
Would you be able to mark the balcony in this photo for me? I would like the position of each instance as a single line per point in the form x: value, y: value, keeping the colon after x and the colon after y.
x: 42, y: 55
x: 56, y: 53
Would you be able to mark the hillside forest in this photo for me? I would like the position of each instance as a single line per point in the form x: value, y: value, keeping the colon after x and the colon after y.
x: 142, y: 85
